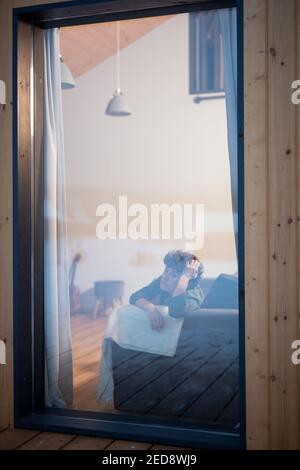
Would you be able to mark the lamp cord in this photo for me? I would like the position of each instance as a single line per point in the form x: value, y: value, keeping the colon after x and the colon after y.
x: 118, y: 57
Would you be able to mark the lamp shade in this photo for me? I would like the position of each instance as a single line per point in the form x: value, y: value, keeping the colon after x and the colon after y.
x: 67, y: 79
x: 117, y: 105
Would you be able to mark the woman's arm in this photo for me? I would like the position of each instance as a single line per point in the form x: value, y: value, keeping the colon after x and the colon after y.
x: 182, y: 299
x: 190, y: 272
x: 190, y: 301
x: 148, y: 292
x: 182, y: 285
x: 142, y: 298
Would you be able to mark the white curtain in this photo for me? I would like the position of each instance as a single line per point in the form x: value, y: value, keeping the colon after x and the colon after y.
x: 58, y: 347
x: 229, y: 40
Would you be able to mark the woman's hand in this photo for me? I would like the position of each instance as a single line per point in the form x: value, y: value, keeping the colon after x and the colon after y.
x: 189, y: 272
x: 156, y: 318
x: 191, y: 269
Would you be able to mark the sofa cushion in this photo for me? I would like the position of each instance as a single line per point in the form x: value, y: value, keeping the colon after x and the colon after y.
x: 223, y: 293
x: 206, y: 284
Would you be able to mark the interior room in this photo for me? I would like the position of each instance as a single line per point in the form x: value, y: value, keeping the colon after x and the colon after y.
x: 163, y: 151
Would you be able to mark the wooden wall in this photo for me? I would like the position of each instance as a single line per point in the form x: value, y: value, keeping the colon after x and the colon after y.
x: 272, y: 216
x: 6, y: 304
x: 272, y: 219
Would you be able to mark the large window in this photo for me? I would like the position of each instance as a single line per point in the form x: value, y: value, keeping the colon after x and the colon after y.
x: 136, y: 237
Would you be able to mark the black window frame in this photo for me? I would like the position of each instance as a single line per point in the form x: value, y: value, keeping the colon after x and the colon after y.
x: 29, y: 410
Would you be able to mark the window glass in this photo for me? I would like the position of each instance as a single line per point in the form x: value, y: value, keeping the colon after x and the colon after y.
x: 141, y: 258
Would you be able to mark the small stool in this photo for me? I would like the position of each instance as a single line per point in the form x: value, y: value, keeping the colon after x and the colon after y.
x: 108, y: 294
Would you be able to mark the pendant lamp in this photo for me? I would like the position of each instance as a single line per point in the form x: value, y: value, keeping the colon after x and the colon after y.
x: 67, y: 79
x: 117, y: 104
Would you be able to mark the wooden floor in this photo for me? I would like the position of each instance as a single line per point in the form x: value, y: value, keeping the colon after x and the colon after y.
x: 23, y: 439
x: 205, y: 378
x: 193, y: 387
x: 87, y: 334
x: 200, y: 384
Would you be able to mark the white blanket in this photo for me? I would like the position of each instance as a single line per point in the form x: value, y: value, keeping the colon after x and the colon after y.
x: 130, y: 328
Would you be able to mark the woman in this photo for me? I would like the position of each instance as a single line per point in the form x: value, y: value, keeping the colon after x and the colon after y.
x: 177, y: 287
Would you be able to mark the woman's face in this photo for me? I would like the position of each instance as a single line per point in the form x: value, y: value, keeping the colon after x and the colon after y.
x: 169, y: 280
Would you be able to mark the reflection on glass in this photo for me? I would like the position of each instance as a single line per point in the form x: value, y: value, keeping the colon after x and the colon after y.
x: 141, y: 269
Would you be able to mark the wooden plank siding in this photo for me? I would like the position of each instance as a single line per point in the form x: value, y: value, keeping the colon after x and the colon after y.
x: 272, y: 156
x: 256, y: 224
x: 272, y: 220
x: 282, y: 224
x: 6, y: 267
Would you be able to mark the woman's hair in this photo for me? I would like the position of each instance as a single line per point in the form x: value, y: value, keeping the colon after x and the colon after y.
x: 177, y: 259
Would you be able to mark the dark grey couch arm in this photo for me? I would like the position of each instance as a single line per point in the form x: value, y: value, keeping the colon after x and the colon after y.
x: 212, y: 319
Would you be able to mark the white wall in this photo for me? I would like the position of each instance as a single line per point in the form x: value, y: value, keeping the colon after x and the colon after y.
x: 169, y: 150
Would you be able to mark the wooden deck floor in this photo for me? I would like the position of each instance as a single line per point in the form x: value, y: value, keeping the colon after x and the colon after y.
x: 23, y: 439
x: 199, y: 385
x: 194, y: 388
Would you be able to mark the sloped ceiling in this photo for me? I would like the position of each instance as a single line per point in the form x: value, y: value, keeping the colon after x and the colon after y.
x: 83, y: 47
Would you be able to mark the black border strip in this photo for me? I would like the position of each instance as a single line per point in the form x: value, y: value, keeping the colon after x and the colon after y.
x: 92, y: 11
